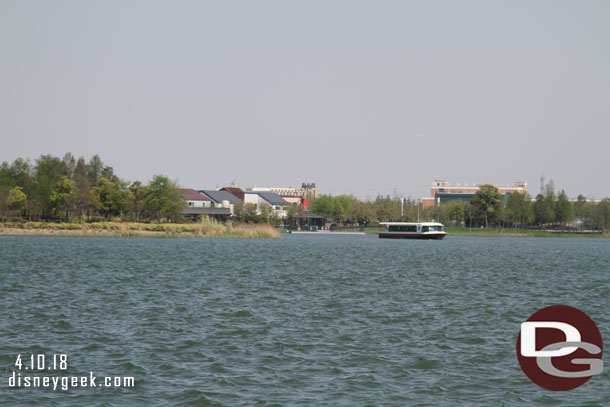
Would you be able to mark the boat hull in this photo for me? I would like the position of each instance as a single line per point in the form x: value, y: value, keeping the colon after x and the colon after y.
x: 433, y: 236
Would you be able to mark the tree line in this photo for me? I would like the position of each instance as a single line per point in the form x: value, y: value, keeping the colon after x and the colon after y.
x: 68, y: 189
x: 486, y: 208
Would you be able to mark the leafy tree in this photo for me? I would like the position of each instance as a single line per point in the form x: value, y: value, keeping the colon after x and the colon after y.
x: 249, y: 212
x: 108, y: 172
x: 602, y: 215
x: 85, y: 199
x: 518, y: 209
x: 386, y: 209
x: 265, y: 214
x: 323, y: 205
x: 17, y: 200
x: 578, y: 205
x: 136, y: 199
x: 550, y: 200
x: 70, y: 162
x: 433, y: 213
x: 238, y: 211
x: 564, y: 211
x: 48, y: 172
x: 586, y: 212
x: 455, y: 212
x: 487, y: 202
x: 163, y: 199
x: 112, y: 196
x: 543, y: 214
x: 6, y: 177
x: 339, y: 213
x: 21, y: 175
x: 62, y: 197
x: 362, y: 212
x: 4, y: 203
x: 94, y: 169
x: 274, y: 218
x: 292, y: 213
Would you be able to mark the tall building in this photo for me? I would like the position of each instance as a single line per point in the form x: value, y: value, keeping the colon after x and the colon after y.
x: 441, y: 192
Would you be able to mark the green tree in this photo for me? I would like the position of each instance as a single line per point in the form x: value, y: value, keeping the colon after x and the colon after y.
x: 17, y: 201
x: 112, y: 196
x: 70, y: 163
x: 455, y: 212
x: 238, y: 211
x: 603, y: 215
x: 518, y: 209
x: 164, y: 200
x: 275, y: 218
x: 249, y: 212
x: 48, y: 173
x: 21, y: 173
x: 433, y: 213
x: 542, y: 212
x: 580, y: 202
x: 265, y: 214
x: 7, y: 180
x: 587, y: 213
x: 85, y: 198
x: 339, y: 212
x: 4, y: 205
x: 292, y: 213
x: 550, y: 200
x: 62, y: 197
x: 564, y: 211
x: 347, y: 202
x: 323, y: 205
x: 136, y: 199
x: 487, y: 202
x: 94, y: 169
x: 362, y: 213
x: 386, y: 209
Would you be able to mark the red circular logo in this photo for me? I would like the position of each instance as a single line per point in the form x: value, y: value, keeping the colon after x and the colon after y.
x: 560, y: 348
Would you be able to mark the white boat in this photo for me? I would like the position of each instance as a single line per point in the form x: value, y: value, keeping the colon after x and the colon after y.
x: 412, y: 230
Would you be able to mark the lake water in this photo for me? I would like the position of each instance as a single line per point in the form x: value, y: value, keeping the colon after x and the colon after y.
x: 296, y: 321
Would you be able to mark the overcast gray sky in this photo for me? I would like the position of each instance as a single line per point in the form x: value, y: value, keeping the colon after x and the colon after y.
x: 361, y: 97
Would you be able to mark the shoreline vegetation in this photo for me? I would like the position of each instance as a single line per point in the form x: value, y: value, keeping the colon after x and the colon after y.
x: 517, y: 232
x: 205, y: 228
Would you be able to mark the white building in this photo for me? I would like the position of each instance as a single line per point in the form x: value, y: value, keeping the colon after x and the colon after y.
x: 276, y: 203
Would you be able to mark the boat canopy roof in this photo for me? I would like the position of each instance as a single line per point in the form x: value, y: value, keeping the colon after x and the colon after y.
x: 412, y: 223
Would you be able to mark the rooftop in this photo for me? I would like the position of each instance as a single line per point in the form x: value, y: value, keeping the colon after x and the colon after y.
x: 219, y: 196
x: 272, y: 198
x: 191, y: 195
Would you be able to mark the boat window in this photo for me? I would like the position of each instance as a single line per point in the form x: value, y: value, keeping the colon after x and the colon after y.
x: 435, y: 228
x: 424, y: 229
x: 402, y: 228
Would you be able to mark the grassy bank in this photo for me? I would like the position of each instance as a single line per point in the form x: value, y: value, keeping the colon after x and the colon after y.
x: 206, y: 228
x: 459, y: 231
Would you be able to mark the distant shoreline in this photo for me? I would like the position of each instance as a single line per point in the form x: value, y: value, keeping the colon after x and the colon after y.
x: 514, y: 232
x: 136, y: 229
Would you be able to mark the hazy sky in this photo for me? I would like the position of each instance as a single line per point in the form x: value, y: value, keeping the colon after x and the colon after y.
x: 359, y: 97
